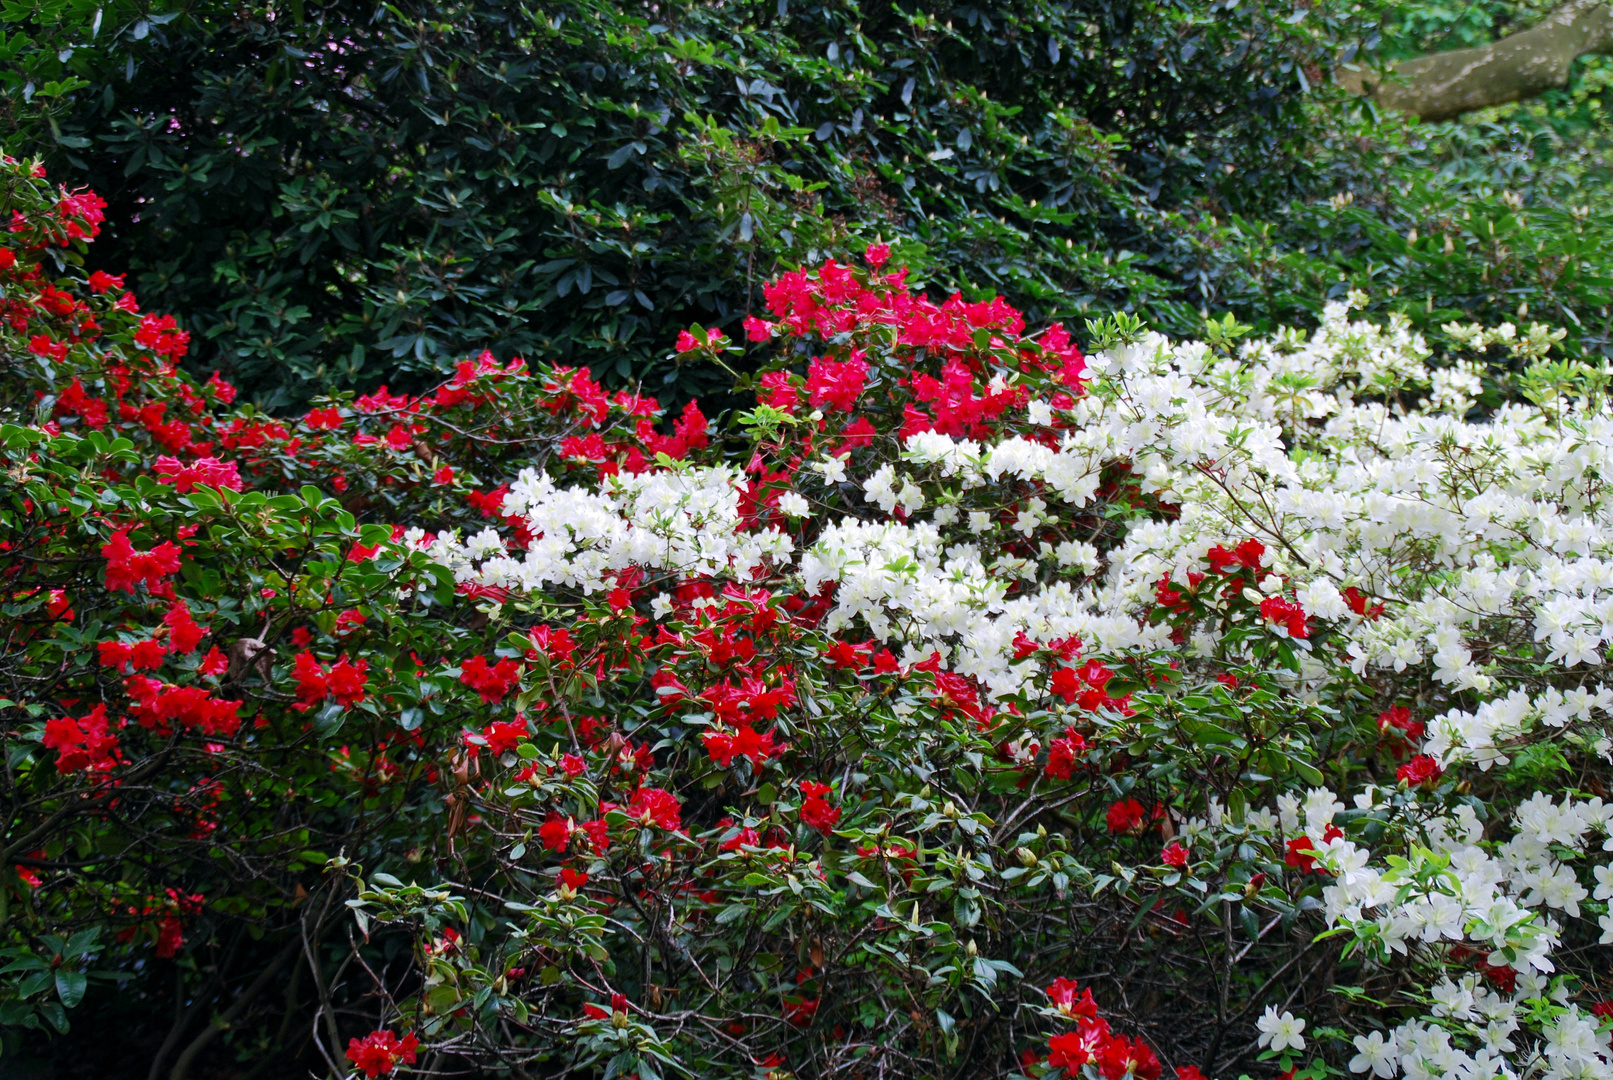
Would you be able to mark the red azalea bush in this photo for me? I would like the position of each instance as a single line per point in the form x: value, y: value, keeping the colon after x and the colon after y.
x: 557, y: 733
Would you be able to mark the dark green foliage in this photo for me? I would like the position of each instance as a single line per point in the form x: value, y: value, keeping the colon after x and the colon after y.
x: 348, y: 193
x: 1520, y: 193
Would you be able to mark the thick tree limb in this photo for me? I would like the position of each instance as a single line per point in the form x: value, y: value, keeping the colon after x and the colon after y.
x: 1521, y: 65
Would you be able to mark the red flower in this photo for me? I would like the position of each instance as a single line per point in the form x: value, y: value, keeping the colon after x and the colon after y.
x: 1276, y: 609
x: 209, y: 472
x: 1298, y: 848
x: 743, y: 742
x: 687, y: 342
x: 170, y: 937
x: 1125, y: 816
x: 815, y: 812
x: 492, y: 683
x: 1174, y: 855
x: 183, y: 632
x: 555, y: 642
x: 1399, y: 718
x: 849, y: 656
x: 158, y: 707
x: 800, y: 1011
x: 323, y: 419
x: 58, y: 606
x: 115, y: 654
x: 1065, y: 752
x: 777, y: 392
x: 503, y: 735
x: 1358, y: 604
x: 858, y: 435
x: 877, y: 255
x: 598, y: 833
x: 1420, y: 770
x: 161, y: 334
x: 345, y: 681
x: 1120, y: 1056
x: 1075, y: 1049
x: 126, y: 567
x: 1063, y: 994
x: 837, y: 383
x: 381, y: 1052
x: 652, y: 806
x: 146, y: 655
x: 743, y: 837
x: 223, y: 392
x: 1249, y: 553
x: 571, y: 879
x: 618, y: 1004
x: 556, y: 832
x: 84, y: 743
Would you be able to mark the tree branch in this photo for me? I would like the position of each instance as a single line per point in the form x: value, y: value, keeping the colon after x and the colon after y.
x: 1519, y: 66
x: 234, y: 1012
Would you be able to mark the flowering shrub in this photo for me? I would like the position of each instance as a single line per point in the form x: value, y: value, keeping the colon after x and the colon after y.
x: 1250, y: 683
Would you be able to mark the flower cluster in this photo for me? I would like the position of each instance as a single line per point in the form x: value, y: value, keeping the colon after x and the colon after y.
x: 1269, y: 669
x: 380, y: 1053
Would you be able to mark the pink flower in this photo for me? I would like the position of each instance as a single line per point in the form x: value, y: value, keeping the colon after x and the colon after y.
x: 688, y: 342
x: 209, y: 472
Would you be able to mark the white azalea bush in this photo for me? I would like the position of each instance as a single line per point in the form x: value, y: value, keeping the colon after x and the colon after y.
x: 1292, y: 606
x: 970, y: 706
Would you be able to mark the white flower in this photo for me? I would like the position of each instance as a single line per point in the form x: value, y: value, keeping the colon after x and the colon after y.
x: 1372, y: 1052
x: 1604, y: 882
x: 794, y: 504
x: 833, y: 469
x: 1280, y: 1032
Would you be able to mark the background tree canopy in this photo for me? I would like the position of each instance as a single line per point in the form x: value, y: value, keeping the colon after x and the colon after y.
x: 344, y: 193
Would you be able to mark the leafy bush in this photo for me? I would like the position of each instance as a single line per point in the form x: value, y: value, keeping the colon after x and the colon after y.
x: 1500, y: 216
x: 519, y: 726
x: 1494, y: 245
x: 343, y: 194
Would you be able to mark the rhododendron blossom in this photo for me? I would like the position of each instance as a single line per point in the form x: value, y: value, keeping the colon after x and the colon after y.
x: 1258, y: 681
x: 381, y: 1052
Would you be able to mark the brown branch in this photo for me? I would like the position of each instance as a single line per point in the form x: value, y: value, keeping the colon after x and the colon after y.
x: 1519, y: 66
x: 233, y: 1013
